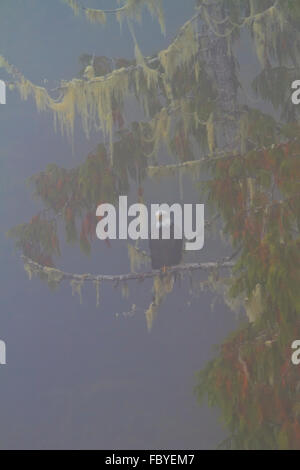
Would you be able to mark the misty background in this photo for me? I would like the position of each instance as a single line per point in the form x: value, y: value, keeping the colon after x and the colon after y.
x: 78, y: 376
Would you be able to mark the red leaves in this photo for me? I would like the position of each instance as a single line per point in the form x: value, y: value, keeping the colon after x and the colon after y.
x: 228, y: 351
x: 228, y: 387
x: 284, y: 369
x: 264, y: 254
x: 245, y: 384
x: 68, y: 214
x: 44, y: 260
x: 240, y: 199
x: 59, y: 184
x: 250, y: 225
x: 286, y: 149
x: 223, y: 165
x: 48, y: 261
x: 268, y: 160
x: 236, y: 234
x: 35, y: 219
x: 280, y: 408
x: 181, y: 144
x: 88, y: 226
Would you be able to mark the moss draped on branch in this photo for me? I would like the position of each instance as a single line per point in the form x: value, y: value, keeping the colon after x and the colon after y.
x: 35, y: 268
x: 131, y: 9
x: 95, y: 98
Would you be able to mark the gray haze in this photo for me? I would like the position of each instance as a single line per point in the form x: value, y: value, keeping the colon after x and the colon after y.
x: 77, y: 376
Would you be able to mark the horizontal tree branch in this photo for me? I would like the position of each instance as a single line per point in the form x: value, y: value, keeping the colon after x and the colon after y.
x: 221, y: 155
x: 226, y: 263
x: 150, y: 61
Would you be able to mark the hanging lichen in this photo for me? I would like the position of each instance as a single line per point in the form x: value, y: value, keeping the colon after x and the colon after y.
x: 253, y: 304
x: 132, y: 9
x: 89, y: 72
x: 97, y: 285
x: 181, y: 51
x: 29, y: 270
x: 125, y: 290
x: 161, y: 126
x: 266, y: 27
x: 74, y: 5
x: 162, y: 286
x: 76, y: 285
x: 150, y: 314
x: 93, y: 100
x: 54, y: 276
x: 151, y: 75
x: 95, y: 16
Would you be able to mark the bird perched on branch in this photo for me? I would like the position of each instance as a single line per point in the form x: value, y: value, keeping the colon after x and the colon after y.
x: 165, y: 251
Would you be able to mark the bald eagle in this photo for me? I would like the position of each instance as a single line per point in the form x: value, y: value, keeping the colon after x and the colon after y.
x: 165, y: 252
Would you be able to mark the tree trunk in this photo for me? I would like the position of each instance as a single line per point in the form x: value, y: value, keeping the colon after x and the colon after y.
x: 220, y: 66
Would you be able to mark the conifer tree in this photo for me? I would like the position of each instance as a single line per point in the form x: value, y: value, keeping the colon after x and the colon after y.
x: 195, y: 103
